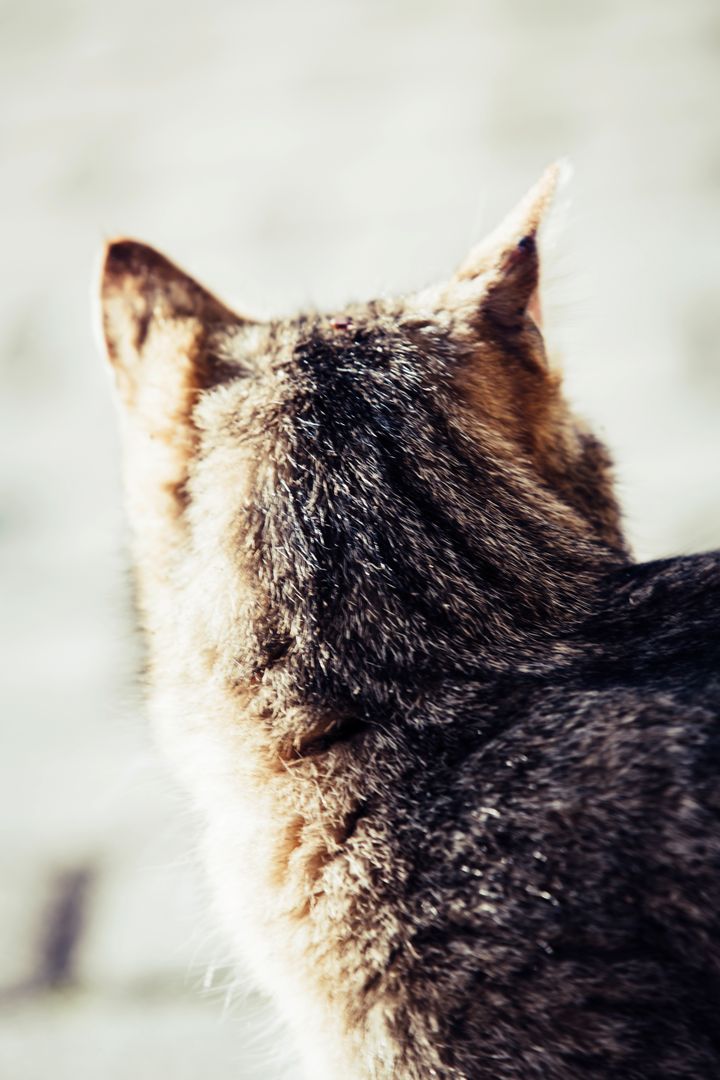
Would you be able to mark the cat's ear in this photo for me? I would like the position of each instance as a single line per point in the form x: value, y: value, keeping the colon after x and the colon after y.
x: 156, y: 322
x: 498, y: 283
x: 162, y: 333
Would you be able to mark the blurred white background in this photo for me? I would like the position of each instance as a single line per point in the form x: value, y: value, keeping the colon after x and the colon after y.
x: 290, y: 153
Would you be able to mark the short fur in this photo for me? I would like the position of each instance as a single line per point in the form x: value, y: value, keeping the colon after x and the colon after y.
x: 456, y: 752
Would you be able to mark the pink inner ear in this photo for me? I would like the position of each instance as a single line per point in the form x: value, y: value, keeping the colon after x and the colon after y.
x: 534, y: 308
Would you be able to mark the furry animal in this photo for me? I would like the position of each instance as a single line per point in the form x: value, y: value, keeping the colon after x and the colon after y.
x: 457, y: 753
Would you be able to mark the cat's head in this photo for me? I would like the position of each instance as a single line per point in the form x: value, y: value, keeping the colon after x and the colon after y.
x: 400, y: 483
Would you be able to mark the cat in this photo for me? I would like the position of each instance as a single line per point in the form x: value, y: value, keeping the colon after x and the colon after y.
x: 457, y: 753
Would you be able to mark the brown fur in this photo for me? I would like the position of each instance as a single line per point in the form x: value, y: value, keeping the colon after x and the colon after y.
x: 368, y: 544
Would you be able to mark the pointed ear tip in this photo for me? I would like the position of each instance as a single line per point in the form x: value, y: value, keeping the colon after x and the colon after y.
x: 541, y: 197
x: 555, y: 176
x: 123, y: 257
x: 123, y: 265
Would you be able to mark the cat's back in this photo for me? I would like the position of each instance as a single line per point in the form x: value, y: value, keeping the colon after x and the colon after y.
x: 565, y: 850
x: 616, y: 751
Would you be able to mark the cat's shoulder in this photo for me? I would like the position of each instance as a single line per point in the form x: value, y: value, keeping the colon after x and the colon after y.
x: 681, y: 580
x: 658, y: 629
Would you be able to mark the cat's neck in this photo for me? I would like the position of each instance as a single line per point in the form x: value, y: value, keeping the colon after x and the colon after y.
x: 381, y: 609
